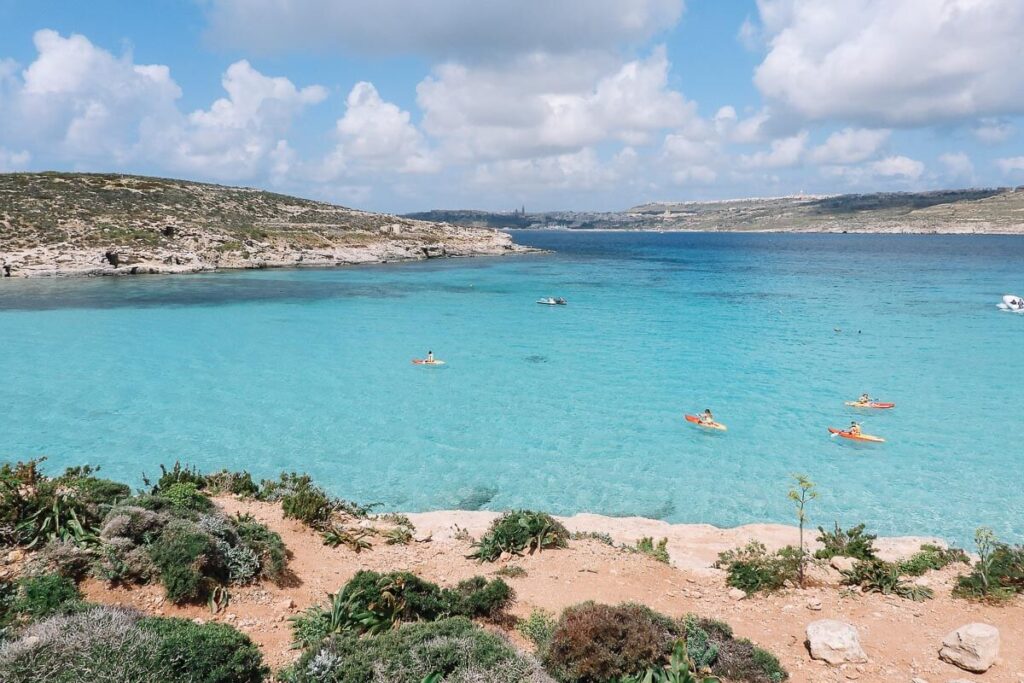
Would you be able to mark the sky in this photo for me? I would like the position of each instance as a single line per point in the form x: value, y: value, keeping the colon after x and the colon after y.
x: 407, y: 105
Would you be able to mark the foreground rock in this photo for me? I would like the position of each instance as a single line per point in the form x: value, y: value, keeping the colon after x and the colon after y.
x: 834, y: 642
x: 102, y: 224
x: 972, y: 647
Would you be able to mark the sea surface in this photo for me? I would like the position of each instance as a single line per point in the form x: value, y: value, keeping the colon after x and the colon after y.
x: 566, y: 409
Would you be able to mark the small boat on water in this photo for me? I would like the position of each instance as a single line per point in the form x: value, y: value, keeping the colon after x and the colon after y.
x: 695, y: 419
x: 875, y: 405
x: 847, y: 434
x: 429, y: 363
x: 1012, y: 303
x: 552, y: 301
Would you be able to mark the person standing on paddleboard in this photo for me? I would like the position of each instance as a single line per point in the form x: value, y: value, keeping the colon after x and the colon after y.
x: 430, y: 356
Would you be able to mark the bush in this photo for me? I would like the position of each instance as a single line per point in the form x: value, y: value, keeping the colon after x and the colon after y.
x: 104, y: 644
x: 997, y: 575
x: 176, y: 475
x: 135, y: 523
x: 593, y: 643
x: 876, y: 576
x: 266, y: 544
x: 453, y: 649
x: 42, y: 596
x: 372, y: 602
x: 753, y: 569
x: 538, y: 629
x: 932, y: 558
x: 307, y: 503
x: 659, y: 552
x: 64, y: 558
x: 208, y: 652
x: 122, y: 562
x: 852, y: 542
x: 518, y: 531
x: 511, y: 571
x: 235, y: 483
x: 713, y: 648
x: 184, y: 495
x: 185, y: 557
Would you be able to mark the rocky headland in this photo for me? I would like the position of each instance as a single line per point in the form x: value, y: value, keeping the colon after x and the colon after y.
x: 77, y: 224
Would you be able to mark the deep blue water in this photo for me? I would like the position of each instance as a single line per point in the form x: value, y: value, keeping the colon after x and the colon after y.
x: 566, y: 409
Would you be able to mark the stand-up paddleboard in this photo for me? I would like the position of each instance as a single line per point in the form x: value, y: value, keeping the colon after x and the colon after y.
x: 428, y: 363
x: 879, y: 405
x: 706, y: 425
x: 866, y: 438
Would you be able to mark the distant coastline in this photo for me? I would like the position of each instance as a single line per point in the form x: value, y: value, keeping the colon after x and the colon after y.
x: 995, y: 211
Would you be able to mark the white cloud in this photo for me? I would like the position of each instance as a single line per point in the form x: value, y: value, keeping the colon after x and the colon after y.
x: 783, y: 152
x: 439, y: 28
x: 81, y: 101
x: 577, y: 170
x: 958, y: 165
x: 13, y: 161
x: 543, y: 104
x: 1009, y: 165
x: 893, y: 62
x: 239, y: 135
x: 849, y: 146
x: 898, y: 167
x: 380, y: 136
x: 992, y: 131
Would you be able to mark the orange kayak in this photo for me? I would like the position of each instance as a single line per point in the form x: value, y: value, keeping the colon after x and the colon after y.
x: 879, y: 405
x: 706, y: 425
x: 856, y: 437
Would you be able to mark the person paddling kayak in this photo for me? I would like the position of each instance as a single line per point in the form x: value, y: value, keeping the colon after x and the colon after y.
x: 706, y: 417
x: 854, y: 429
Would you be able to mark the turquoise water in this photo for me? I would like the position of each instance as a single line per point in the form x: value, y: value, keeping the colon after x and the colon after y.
x: 561, y: 408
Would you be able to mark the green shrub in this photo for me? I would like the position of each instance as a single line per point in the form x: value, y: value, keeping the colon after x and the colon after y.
x: 102, y: 644
x: 185, y: 557
x: 184, y: 495
x: 518, y: 531
x: 372, y: 603
x: 712, y: 647
x: 753, y: 569
x: 932, y: 558
x: 211, y: 653
x: 538, y: 629
x: 122, y: 562
x: 876, y: 576
x: 176, y: 475
x: 451, y: 650
x: 593, y: 643
x: 999, y: 572
x: 307, y: 503
x: 511, y: 571
x: 235, y: 483
x: 45, y: 595
x: 680, y: 669
x: 852, y: 542
x: 659, y: 552
x: 266, y: 544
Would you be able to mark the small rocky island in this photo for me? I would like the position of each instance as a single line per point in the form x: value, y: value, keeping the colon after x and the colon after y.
x: 79, y: 224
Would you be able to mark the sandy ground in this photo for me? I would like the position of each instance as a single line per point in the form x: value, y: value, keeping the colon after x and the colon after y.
x: 900, y: 637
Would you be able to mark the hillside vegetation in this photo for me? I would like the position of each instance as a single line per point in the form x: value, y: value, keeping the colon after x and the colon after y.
x: 89, y: 224
x: 995, y: 211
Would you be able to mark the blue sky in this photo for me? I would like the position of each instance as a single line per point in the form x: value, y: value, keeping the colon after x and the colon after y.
x: 401, y: 105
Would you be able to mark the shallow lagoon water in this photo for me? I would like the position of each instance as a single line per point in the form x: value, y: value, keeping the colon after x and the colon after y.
x: 575, y: 408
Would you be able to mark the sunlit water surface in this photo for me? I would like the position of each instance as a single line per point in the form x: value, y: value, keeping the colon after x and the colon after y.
x: 575, y: 408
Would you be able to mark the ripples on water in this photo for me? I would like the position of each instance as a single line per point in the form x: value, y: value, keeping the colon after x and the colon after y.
x: 562, y: 408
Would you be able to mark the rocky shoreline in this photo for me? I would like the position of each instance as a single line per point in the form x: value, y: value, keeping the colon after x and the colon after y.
x: 197, y: 253
x: 72, y: 224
